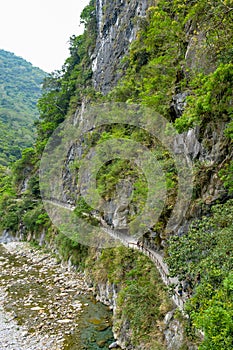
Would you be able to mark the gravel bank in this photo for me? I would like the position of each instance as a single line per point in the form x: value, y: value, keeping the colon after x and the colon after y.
x: 14, y: 337
x: 39, y: 299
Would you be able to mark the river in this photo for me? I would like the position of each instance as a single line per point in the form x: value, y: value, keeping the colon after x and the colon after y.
x: 44, y: 305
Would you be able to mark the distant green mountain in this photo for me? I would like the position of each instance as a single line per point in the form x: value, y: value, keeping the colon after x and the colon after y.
x: 20, y: 88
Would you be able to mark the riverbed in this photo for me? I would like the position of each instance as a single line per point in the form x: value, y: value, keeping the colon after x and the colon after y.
x: 45, y: 305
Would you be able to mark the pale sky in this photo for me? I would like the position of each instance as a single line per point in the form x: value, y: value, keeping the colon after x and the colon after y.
x: 39, y: 30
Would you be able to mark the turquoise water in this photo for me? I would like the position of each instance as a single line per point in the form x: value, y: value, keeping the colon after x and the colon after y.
x: 94, y: 330
x: 91, y: 328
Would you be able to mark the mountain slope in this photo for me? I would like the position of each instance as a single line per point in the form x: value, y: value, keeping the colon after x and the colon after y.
x: 20, y: 88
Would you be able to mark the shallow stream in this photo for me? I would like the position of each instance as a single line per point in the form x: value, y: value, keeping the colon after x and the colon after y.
x: 49, y: 301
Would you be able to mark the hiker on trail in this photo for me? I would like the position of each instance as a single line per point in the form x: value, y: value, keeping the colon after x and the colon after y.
x: 198, y: 278
x: 188, y: 286
x: 140, y: 244
x: 180, y: 290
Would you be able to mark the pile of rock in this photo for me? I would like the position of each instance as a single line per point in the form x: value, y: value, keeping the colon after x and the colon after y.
x: 40, y: 304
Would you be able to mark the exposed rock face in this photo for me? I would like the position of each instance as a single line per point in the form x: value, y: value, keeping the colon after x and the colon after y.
x: 178, y: 104
x: 173, y: 332
x: 197, y: 56
x: 216, y: 152
x: 118, y: 208
x: 6, y: 237
x: 210, y: 151
x: 188, y: 143
x: 116, y: 29
x: 171, y: 327
x: 107, y: 294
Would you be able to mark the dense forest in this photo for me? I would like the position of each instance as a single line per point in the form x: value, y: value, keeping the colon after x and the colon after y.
x: 20, y: 88
x: 183, y: 51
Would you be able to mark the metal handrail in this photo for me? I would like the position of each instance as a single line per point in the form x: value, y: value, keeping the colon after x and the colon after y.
x: 155, y: 257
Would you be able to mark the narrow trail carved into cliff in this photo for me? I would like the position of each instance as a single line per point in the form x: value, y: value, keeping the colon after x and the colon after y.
x: 156, y: 258
x: 129, y: 242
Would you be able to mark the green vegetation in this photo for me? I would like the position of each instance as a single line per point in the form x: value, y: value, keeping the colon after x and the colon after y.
x: 158, y: 69
x: 210, y: 100
x: 72, y: 250
x: 154, y: 62
x: 64, y: 90
x: 182, y: 47
x: 20, y: 88
x: 62, y: 93
x: 226, y: 175
x: 206, y: 251
x: 142, y: 299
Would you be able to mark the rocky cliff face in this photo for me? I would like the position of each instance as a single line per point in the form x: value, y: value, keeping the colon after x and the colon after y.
x: 208, y: 150
x: 116, y: 29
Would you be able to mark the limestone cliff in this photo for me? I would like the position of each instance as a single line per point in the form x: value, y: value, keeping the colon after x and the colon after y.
x: 161, y: 71
x: 116, y: 29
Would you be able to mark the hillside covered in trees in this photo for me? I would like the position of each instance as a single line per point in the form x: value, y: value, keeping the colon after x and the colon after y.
x: 175, y: 58
x: 20, y: 88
